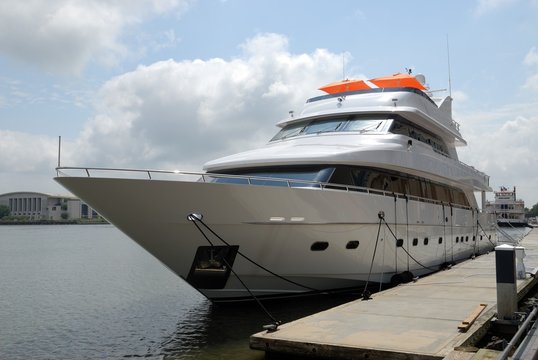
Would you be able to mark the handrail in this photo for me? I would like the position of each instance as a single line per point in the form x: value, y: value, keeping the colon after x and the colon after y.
x: 250, y: 179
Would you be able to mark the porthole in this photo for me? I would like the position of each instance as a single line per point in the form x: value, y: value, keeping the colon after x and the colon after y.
x: 353, y: 244
x: 474, y: 238
x: 481, y: 237
x: 399, y: 243
x: 457, y: 239
x: 467, y: 238
x: 440, y: 240
x: 319, y: 246
x: 426, y: 240
x: 415, y: 242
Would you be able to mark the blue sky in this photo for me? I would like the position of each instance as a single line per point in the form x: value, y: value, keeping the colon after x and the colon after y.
x: 174, y: 83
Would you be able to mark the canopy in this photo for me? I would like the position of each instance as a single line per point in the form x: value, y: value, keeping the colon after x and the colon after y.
x: 343, y: 86
x: 396, y: 80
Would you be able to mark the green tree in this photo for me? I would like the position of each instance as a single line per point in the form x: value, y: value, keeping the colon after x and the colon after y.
x: 533, y: 211
x: 4, y: 211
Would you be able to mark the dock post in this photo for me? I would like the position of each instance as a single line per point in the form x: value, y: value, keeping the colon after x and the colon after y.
x: 505, y: 268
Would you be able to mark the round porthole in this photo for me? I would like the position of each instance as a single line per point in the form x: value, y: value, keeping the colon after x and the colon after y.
x: 353, y: 244
x: 319, y: 246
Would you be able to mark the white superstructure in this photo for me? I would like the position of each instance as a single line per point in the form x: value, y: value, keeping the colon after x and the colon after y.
x: 365, y: 184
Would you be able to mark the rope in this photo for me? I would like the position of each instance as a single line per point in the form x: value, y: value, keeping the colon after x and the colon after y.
x: 485, y: 234
x: 410, y: 256
x: 252, y: 261
x: 406, y: 225
x: 517, y: 240
x: 366, y: 293
x: 444, y: 227
x: 275, y: 321
x: 451, y: 233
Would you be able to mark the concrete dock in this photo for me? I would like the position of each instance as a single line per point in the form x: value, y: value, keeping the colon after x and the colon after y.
x: 412, y: 321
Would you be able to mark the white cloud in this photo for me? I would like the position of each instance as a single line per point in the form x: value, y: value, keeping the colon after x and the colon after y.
x: 486, y: 6
x: 531, y: 58
x: 177, y: 115
x: 531, y: 83
x: 460, y: 96
x: 181, y: 114
x: 27, y: 162
x: 22, y: 152
x: 501, y: 143
x: 63, y: 36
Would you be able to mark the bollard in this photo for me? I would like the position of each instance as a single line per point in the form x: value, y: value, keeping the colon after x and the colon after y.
x: 505, y: 268
x: 520, y: 266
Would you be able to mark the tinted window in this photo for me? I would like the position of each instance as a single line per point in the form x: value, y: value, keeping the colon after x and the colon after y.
x: 404, y: 127
x: 289, y: 131
x: 371, y: 178
x: 280, y: 176
x: 322, y: 126
x: 362, y: 123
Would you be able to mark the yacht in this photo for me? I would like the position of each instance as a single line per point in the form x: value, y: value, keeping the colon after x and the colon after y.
x: 363, y: 186
x: 508, y: 209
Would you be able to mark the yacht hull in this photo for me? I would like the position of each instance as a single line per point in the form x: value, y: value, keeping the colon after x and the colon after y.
x: 313, y: 239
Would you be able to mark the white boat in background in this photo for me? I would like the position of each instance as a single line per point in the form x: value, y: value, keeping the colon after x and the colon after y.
x: 508, y: 209
x: 364, y: 185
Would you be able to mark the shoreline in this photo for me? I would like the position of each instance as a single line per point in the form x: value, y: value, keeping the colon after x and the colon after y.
x: 52, y: 222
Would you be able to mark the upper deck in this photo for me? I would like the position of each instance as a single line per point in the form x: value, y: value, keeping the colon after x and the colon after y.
x: 412, y: 104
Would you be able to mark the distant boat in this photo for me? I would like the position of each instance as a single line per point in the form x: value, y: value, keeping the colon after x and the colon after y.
x: 364, y: 185
x: 508, y: 209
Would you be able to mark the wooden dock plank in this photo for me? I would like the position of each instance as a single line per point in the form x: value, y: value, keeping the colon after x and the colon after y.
x: 469, y: 320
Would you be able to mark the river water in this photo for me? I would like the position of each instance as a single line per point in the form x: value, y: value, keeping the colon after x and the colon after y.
x: 89, y: 292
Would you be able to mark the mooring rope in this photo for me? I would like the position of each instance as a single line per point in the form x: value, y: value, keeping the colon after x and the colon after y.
x: 264, y: 309
x: 403, y: 248
x: 196, y: 218
x: 485, y: 234
x: 366, y: 293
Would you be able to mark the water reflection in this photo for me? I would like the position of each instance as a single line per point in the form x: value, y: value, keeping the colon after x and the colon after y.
x: 221, y: 331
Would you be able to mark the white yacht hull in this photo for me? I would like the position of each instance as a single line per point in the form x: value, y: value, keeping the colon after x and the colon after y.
x: 275, y: 227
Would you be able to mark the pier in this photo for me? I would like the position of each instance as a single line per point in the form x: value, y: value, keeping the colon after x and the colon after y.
x: 441, y: 316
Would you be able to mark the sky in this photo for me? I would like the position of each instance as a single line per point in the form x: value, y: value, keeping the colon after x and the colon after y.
x: 171, y: 84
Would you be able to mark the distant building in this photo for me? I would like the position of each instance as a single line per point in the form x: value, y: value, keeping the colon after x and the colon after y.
x: 40, y: 206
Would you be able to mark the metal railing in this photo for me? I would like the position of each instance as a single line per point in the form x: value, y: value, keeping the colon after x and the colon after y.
x: 250, y: 180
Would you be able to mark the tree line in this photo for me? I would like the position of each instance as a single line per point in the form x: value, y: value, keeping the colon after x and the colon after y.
x: 532, y: 212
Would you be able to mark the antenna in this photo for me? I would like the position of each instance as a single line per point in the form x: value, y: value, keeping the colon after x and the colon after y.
x: 448, y: 58
x: 343, y: 67
x: 59, y: 149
